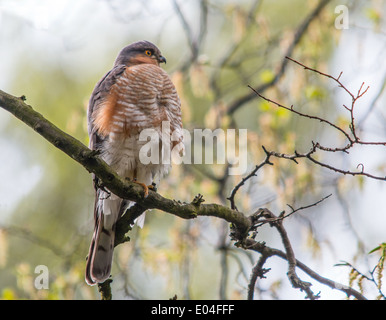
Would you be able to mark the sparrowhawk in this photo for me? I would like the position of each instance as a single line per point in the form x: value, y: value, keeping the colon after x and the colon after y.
x: 136, y: 94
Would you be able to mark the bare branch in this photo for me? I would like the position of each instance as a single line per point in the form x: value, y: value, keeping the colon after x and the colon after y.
x: 292, y: 276
x: 370, y: 278
x: 251, y: 244
x: 323, y: 74
x: 291, y: 109
x: 231, y: 198
x: 353, y: 138
x: 281, y: 217
x: 257, y: 272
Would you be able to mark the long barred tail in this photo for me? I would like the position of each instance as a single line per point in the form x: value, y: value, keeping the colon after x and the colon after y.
x: 106, y: 213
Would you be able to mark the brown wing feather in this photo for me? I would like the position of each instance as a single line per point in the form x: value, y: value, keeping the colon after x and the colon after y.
x: 98, y: 98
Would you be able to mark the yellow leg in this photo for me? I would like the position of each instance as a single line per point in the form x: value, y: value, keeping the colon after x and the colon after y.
x: 146, y: 188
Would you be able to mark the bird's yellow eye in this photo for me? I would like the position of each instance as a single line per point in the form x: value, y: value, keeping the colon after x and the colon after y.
x: 148, y: 53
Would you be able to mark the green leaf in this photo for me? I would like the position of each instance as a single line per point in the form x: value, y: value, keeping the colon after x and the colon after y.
x: 382, y: 246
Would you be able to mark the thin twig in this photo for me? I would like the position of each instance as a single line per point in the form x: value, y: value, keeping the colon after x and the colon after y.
x: 370, y: 278
x: 323, y: 74
x: 283, y: 216
x: 353, y: 138
x: 231, y: 198
x: 257, y: 272
x: 305, y: 115
x: 251, y: 244
x: 292, y: 276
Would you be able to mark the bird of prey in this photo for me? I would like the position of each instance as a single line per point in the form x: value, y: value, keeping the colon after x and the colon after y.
x: 136, y: 94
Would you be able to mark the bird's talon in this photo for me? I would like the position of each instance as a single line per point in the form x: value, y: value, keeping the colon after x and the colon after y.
x: 145, y: 188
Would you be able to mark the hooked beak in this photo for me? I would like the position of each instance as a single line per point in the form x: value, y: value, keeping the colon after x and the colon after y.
x: 162, y: 59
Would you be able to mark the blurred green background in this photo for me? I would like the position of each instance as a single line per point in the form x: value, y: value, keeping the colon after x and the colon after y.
x: 54, y: 52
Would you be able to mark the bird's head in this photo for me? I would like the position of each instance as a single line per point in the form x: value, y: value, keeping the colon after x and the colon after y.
x: 138, y: 53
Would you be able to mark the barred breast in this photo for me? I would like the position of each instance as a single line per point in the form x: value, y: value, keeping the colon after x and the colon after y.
x: 141, y: 98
